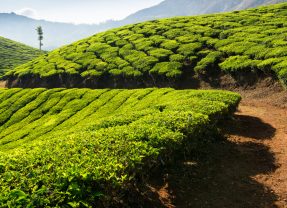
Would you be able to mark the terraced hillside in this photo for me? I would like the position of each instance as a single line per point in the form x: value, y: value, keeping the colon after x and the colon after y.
x: 174, y: 52
x: 13, y: 54
x: 92, y: 148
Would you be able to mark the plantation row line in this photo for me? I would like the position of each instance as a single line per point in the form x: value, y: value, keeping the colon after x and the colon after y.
x: 41, y: 111
x: 87, y: 148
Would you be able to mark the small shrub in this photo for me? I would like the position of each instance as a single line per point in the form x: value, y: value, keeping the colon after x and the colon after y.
x: 170, y: 45
x: 189, y: 49
x: 176, y: 58
x: 170, y: 69
x: 160, y: 53
x: 238, y: 63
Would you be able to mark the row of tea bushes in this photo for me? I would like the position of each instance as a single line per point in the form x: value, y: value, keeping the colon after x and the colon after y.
x: 88, y: 148
x: 250, y: 40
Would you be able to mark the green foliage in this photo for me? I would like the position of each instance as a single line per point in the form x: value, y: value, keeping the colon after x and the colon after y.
x: 237, y: 48
x: 143, y: 44
x: 280, y: 69
x: 161, y: 54
x: 238, y: 63
x: 139, y: 60
x: 13, y: 54
x: 157, y: 39
x: 84, y: 148
x: 189, y: 49
x: 173, y: 33
x: 268, y: 63
x: 208, y: 62
x: 244, y: 40
x: 169, y: 69
x: 177, y: 58
x: 188, y: 38
x: 170, y: 45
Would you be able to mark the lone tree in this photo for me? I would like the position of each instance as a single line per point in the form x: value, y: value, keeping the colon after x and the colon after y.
x: 40, y: 36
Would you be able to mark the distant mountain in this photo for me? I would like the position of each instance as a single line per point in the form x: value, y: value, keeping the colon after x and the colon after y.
x: 13, y: 54
x: 171, y: 8
x: 22, y: 29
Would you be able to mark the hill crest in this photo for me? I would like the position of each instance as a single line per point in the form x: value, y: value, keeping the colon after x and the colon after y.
x: 176, y: 52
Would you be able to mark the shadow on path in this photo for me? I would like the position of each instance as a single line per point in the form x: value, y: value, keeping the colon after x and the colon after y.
x: 220, y: 174
x: 248, y: 126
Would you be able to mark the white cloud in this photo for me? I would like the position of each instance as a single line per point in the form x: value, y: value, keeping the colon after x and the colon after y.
x: 28, y: 12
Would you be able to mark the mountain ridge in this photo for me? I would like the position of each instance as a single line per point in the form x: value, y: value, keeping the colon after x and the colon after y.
x: 171, y: 8
x: 56, y: 34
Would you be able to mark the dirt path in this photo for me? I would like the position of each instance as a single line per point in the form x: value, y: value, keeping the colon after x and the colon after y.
x: 2, y: 84
x: 248, y: 170
x: 276, y: 119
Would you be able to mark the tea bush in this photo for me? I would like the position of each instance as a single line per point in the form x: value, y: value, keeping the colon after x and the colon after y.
x: 87, y: 148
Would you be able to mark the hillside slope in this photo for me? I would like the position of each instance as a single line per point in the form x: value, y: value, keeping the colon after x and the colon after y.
x: 92, y: 148
x: 13, y: 54
x: 171, y: 8
x: 177, y: 52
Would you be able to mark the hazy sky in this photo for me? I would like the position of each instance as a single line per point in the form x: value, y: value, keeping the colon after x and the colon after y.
x: 76, y: 11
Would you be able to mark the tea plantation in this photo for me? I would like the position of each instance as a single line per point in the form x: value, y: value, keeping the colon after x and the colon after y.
x: 92, y: 148
x: 13, y: 54
x: 165, y: 51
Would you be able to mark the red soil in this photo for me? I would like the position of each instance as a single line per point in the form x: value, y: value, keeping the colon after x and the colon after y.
x: 247, y: 170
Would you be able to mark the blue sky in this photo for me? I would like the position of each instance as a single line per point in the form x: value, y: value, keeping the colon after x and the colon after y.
x: 76, y: 11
